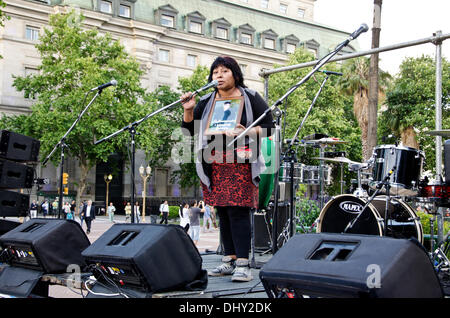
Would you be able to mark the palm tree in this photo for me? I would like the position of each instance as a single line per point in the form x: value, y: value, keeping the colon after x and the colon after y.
x: 355, y: 82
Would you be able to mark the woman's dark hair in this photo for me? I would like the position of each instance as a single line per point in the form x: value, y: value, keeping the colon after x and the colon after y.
x: 232, y: 65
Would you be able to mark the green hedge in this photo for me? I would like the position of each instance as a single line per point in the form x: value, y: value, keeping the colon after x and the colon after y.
x: 173, y: 212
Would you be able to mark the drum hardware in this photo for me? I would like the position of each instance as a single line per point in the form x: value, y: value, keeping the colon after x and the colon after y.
x: 386, y: 184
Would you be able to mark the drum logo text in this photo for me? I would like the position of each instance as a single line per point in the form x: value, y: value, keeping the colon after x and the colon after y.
x: 350, y: 207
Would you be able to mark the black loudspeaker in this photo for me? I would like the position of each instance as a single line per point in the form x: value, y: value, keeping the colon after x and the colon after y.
x: 350, y: 265
x: 15, y: 175
x: 6, y: 226
x: 17, y: 147
x: 46, y: 245
x: 147, y: 258
x: 13, y: 203
x: 262, y: 230
x: 447, y: 161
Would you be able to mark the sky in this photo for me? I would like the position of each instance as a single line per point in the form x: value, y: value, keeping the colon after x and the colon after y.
x: 401, y: 21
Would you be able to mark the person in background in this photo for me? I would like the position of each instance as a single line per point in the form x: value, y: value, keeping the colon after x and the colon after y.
x: 128, y: 211
x: 66, y: 209
x: 194, y: 222
x: 33, y: 209
x: 184, y: 216
x: 164, y: 213
x: 110, y: 211
x: 137, y: 213
x: 45, y: 207
x: 207, y: 221
x: 89, y: 215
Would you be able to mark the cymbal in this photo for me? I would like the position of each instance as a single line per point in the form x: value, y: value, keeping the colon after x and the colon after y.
x: 443, y: 133
x: 327, y: 141
x: 338, y: 159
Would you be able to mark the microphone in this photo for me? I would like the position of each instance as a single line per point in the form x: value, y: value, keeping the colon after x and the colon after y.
x: 363, y: 28
x: 201, y: 89
x: 101, y: 87
x: 331, y: 73
x: 207, y: 86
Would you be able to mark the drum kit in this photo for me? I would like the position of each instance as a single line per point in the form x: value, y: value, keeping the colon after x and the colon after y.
x: 395, y: 179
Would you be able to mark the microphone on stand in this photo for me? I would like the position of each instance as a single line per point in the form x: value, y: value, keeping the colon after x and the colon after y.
x: 201, y: 89
x: 101, y: 87
x: 363, y: 28
x: 331, y: 73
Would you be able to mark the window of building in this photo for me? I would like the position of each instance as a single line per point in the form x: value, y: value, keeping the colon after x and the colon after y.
x: 283, y: 8
x: 221, y: 29
x: 301, y: 13
x: 195, y: 27
x: 105, y: 6
x: 244, y: 69
x: 163, y: 55
x: 32, y: 33
x: 246, y: 38
x: 313, y: 47
x: 196, y: 22
x: 269, y: 43
x: 167, y: 21
x: 268, y: 39
x: 222, y: 33
x: 265, y: 4
x: 124, y: 11
x: 191, y: 60
x: 246, y: 34
x: 290, y: 48
x: 167, y: 16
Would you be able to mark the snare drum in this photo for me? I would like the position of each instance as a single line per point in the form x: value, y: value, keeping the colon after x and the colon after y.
x: 285, y: 172
x: 435, y: 193
x: 402, y: 221
x: 311, y: 174
x: 408, y: 163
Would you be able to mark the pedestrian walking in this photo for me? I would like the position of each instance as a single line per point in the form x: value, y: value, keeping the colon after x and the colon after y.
x: 89, y: 215
x: 137, y: 213
x: 127, y: 211
x: 164, y: 213
x: 44, y: 208
x: 111, y: 209
x: 194, y: 222
x: 207, y: 221
x: 33, y: 209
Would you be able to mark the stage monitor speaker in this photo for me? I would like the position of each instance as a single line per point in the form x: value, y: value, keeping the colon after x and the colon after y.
x: 6, y: 226
x: 46, y: 245
x: 17, y: 147
x: 13, y: 204
x: 15, y: 175
x: 350, y: 266
x: 147, y: 258
x: 447, y: 161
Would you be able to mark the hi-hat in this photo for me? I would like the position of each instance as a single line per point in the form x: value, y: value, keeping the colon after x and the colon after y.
x: 443, y: 133
x: 338, y: 159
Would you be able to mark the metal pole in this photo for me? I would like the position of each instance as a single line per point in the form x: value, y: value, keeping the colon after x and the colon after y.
x: 433, y: 39
x: 438, y: 94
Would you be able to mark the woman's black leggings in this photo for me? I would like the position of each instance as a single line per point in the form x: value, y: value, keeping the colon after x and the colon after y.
x: 235, y: 230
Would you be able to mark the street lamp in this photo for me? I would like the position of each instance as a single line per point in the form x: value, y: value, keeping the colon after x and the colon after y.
x: 108, y: 179
x: 145, y: 173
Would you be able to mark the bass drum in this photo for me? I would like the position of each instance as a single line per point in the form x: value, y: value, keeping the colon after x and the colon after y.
x: 337, y: 214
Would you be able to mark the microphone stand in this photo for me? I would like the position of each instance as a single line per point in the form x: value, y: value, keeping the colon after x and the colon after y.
x: 63, y: 145
x: 132, y: 130
x: 291, y: 152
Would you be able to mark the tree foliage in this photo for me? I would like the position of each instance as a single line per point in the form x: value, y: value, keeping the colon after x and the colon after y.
x: 411, y: 103
x: 73, y: 60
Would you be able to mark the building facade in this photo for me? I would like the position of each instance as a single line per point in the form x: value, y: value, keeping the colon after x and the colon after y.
x: 169, y: 39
